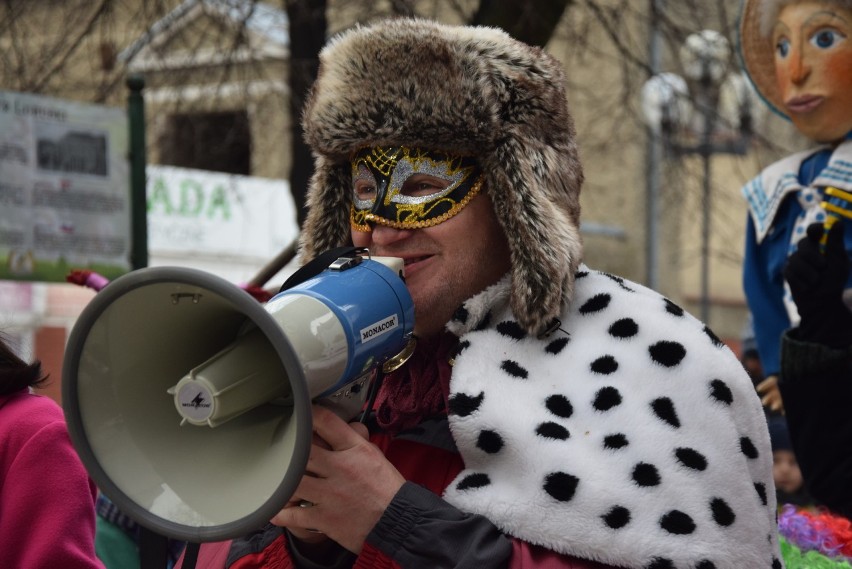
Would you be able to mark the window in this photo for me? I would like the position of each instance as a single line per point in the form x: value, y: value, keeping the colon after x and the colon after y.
x: 219, y: 142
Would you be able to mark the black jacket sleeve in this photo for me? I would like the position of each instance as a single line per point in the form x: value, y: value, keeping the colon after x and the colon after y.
x: 420, y: 530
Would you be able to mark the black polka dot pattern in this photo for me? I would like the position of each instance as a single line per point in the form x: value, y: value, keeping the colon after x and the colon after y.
x: 463, y: 405
x: 489, y: 441
x: 615, y: 441
x: 665, y: 411
x: 747, y: 447
x: 655, y: 484
x: 561, y: 485
x: 667, y: 354
x: 551, y: 430
x: 559, y: 405
x: 720, y: 391
x: 623, y: 328
x: 673, y: 308
x: 604, y: 365
x: 556, y: 346
x: 606, y: 398
x: 618, y: 280
x: 596, y: 304
x: 617, y: 517
x: 761, y: 492
x: 646, y: 475
x: 677, y: 522
x: 691, y: 458
x: 722, y: 512
x: 461, y: 315
x: 514, y: 369
x: 472, y: 481
x: 511, y: 329
x: 714, y: 338
x: 460, y: 347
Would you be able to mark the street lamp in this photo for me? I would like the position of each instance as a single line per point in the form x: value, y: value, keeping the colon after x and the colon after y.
x: 706, y: 112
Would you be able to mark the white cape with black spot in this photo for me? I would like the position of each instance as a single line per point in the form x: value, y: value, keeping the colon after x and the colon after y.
x: 631, y: 436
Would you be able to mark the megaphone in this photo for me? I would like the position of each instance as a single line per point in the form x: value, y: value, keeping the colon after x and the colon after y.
x: 189, y: 402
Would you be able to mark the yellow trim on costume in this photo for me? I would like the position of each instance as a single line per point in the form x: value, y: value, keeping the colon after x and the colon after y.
x: 840, y: 194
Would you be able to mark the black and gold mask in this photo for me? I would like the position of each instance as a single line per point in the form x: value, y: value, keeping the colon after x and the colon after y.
x: 410, y: 188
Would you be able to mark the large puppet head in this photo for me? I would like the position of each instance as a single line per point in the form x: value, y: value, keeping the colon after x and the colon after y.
x: 798, y: 54
x: 469, y: 105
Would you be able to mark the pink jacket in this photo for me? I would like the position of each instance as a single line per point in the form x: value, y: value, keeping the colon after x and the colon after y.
x: 47, y: 500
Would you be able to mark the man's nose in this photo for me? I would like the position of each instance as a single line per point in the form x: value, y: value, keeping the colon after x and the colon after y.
x: 383, y: 235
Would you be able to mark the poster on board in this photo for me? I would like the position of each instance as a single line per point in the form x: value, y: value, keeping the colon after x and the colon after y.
x: 64, y: 188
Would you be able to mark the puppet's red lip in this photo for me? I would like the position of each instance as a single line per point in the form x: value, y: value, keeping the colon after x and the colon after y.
x: 804, y: 103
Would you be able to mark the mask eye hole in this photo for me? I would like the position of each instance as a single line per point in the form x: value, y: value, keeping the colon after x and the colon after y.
x: 365, y: 191
x: 420, y: 185
x: 364, y: 187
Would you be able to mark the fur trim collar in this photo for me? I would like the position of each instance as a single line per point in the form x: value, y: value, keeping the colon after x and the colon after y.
x: 631, y: 436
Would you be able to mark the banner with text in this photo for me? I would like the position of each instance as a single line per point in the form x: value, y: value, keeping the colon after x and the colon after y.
x: 64, y: 188
x: 201, y: 213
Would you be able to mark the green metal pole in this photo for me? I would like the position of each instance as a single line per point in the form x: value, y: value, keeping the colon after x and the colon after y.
x: 138, y: 200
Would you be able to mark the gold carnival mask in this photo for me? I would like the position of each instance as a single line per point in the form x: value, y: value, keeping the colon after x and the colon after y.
x: 410, y: 188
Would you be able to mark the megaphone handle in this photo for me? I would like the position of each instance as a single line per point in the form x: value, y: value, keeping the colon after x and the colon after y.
x: 371, y: 397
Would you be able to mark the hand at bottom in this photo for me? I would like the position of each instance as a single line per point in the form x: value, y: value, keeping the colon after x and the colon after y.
x: 349, y: 484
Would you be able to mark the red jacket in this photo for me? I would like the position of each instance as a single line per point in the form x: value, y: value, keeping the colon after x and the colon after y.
x: 428, y: 466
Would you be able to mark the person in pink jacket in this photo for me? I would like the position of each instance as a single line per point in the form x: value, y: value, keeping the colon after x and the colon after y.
x: 47, y: 500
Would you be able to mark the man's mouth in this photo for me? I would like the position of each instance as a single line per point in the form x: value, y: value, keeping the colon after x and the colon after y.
x: 804, y: 103
x: 413, y: 260
x: 412, y: 263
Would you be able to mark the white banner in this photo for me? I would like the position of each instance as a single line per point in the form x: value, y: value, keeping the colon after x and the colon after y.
x: 199, y: 213
x: 64, y: 188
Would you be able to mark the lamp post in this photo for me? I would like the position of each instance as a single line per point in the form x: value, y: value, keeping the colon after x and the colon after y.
x: 706, y: 112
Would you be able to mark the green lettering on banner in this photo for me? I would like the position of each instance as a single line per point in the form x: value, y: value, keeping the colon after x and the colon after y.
x: 160, y: 197
x: 191, y: 198
x: 219, y: 200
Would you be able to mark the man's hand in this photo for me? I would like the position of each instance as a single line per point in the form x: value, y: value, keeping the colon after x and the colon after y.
x: 348, y: 485
x: 817, y: 280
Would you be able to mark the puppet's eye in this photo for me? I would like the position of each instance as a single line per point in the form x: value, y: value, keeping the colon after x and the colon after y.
x: 782, y: 47
x: 825, y: 38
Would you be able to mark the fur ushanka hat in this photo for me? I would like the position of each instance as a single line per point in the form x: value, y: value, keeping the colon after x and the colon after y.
x: 464, y: 90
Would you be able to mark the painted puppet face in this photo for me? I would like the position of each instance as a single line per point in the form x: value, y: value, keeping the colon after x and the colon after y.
x: 813, y: 67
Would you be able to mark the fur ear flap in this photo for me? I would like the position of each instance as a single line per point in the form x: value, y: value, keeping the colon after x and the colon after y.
x: 329, y: 198
x: 544, y: 239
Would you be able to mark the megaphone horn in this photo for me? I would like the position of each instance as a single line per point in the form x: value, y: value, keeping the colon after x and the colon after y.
x: 189, y: 402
